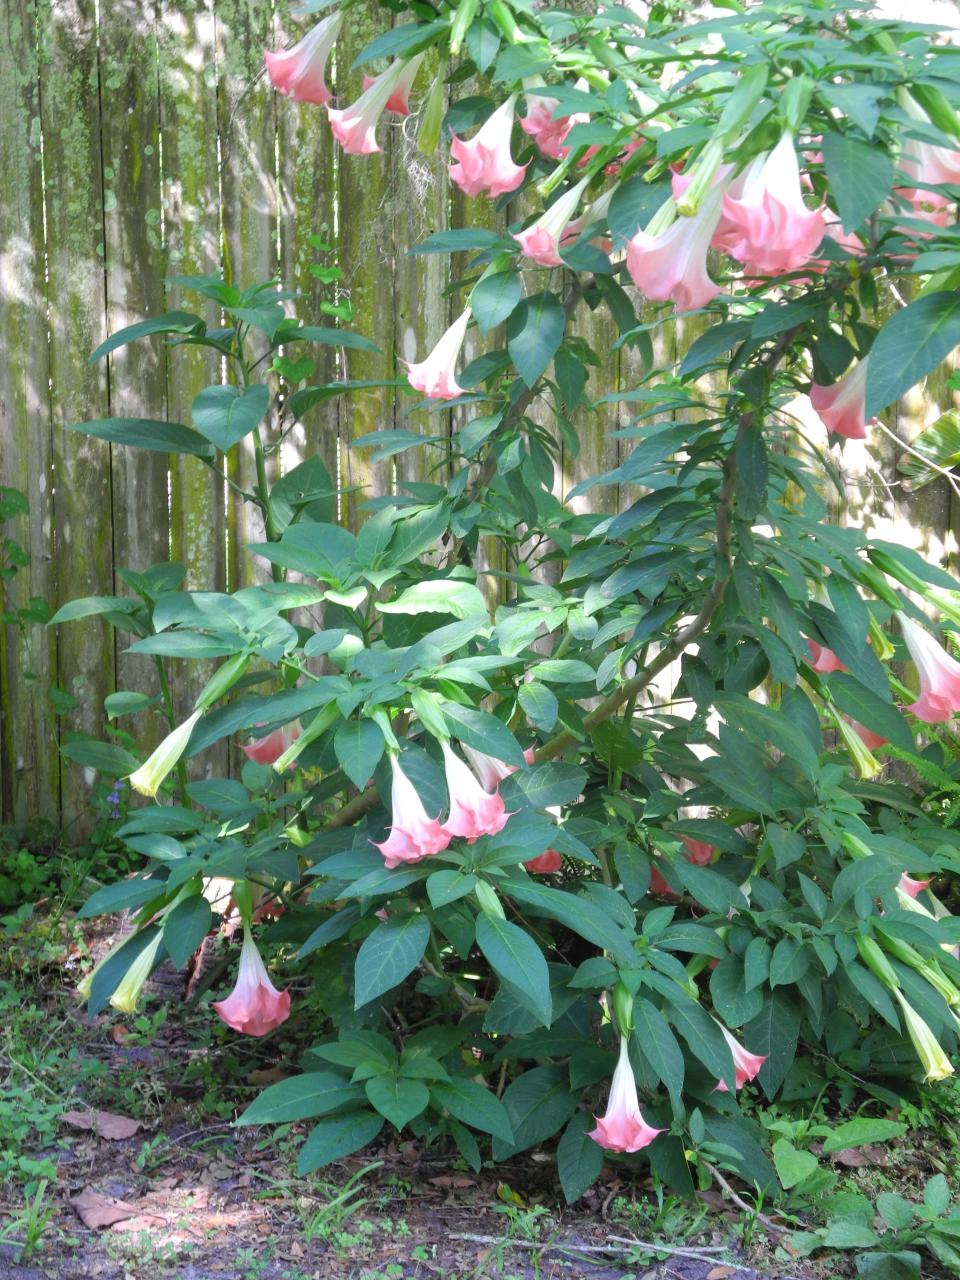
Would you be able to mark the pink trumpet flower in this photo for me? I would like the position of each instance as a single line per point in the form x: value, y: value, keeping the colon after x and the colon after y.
x: 545, y: 863
x: 298, y: 72
x: 489, y: 769
x: 746, y: 1065
x: 925, y: 162
x: 546, y: 132
x: 474, y: 812
x: 355, y: 126
x: 543, y: 239
x: 399, y: 100
x: 255, y: 1006
x: 668, y: 261
x: 823, y: 659
x: 622, y: 1127
x: 436, y: 376
x: 271, y: 746
x: 939, y: 674
x: 775, y: 232
x: 841, y: 405
x: 485, y: 163
x: 869, y: 739
x: 912, y: 887
x: 698, y: 851
x: 413, y: 835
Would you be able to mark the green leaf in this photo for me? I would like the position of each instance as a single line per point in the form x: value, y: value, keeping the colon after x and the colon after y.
x: 860, y: 177
x: 792, y: 1165
x: 393, y: 950
x: 862, y: 1132
x: 322, y: 551
x: 146, y: 433
x: 397, y: 1098
x: 774, y: 1032
x: 124, y: 703
x: 789, y: 962
x: 494, y: 298
x: 939, y: 449
x: 408, y: 39
x: 483, y: 732
x: 863, y: 705
x: 444, y: 887
x: 870, y: 876
x: 717, y: 341
x: 336, y: 1137
x: 329, y: 338
x: 105, y: 757
x: 358, y: 745
x: 169, y: 322
x: 226, y: 414
x: 910, y: 345
x: 438, y: 595
x: 538, y: 1103
x: 704, y: 1037
x: 461, y: 239
x: 474, y: 1105
x: 539, y: 704
x: 543, y: 786
x: 578, y: 914
x: 186, y: 927
x: 518, y: 960
x: 751, y: 474
x: 534, y: 333
x: 92, y: 606
x: 120, y: 896
x: 579, y: 1158
x: 300, y: 1098
x: 658, y: 1045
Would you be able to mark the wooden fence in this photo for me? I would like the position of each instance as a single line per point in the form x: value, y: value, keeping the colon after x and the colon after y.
x: 139, y: 141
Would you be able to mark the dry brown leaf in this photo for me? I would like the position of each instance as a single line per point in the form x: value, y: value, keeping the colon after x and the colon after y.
x: 104, y: 1123
x: 143, y: 1222
x: 720, y: 1273
x: 96, y: 1211
x: 447, y: 1181
x: 850, y: 1157
x: 266, y: 1075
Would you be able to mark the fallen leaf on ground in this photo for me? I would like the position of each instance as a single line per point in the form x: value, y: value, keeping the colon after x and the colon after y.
x: 105, y: 1123
x: 95, y: 1210
x: 720, y: 1273
x: 452, y: 1180
x: 266, y: 1075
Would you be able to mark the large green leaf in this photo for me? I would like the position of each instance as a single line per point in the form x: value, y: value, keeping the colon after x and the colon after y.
x: 579, y: 1158
x: 226, y: 414
x: 910, y: 345
x: 337, y: 1136
x: 146, y: 433
x: 658, y: 1045
x: 534, y: 332
x: 494, y: 298
x: 578, y: 914
x: 329, y: 338
x: 321, y: 551
x: 483, y: 732
x: 359, y: 745
x: 518, y: 960
x: 399, y: 1099
x: 169, y: 322
x: 186, y: 927
x: 106, y: 757
x: 300, y: 1098
x: 438, y: 595
x: 939, y: 449
x: 773, y: 1033
x: 474, y: 1105
x: 538, y: 1103
x: 391, y: 952
x: 860, y: 177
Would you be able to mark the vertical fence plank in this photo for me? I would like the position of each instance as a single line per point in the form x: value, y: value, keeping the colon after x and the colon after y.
x: 308, y: 178
x: 248, y: 184
x: 191, y: 209
x: 29, y: 773
x: 419, y: 195
x: 130, y: 139
x: 367, y: 260
x: 83, y: 500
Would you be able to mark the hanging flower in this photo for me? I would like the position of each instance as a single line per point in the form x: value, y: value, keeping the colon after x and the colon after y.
x: 622, y: 1127
x: 485, y: 162
x: 547, y: 132
x: 698, y: 851
x: 925, y: 162
x: 399, y: 100
x: 150, y: 775
x: 936, y: 1065
x: 271, y: 746
x: 775, y: 231
x: 823, y: 659
x: 489, y: 769
x: 254, y: 1006
x: 412, y: 834
x: 355, y: 126
x: 746, y: 1065
x: 436, y: 376
x: 474, y: 812
x: 939, y: 674
x: 668, y: 261
x: 866, y: 764
x: 127, y: 994
x: 298, y: 72
x: 543, y: 239
x: 841, y: 405
x: 544, y: 864
x: 870, y: 739
x: 912, y: 887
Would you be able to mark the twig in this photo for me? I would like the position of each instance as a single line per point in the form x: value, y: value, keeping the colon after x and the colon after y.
x: 704, y: 1255
x: 739, y: 1201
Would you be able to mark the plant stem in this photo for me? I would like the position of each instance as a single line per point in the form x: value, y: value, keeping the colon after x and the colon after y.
x: 171, y: 716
